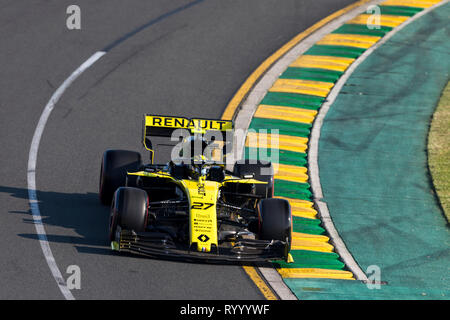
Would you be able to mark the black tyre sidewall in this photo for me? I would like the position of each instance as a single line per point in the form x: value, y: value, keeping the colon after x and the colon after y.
x: 114, y: 217
x: 275, y: 220
x: 130, y: 210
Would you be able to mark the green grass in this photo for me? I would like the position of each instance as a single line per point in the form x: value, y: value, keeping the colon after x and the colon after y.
x: 439, y: 150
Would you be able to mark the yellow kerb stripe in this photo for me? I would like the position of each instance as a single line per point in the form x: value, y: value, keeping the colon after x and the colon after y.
x: 291, y: 173
x: 311, y: 245
x: 298, y: 202
x: 309, y: 213
x: 315, y: 273
x: 301, y: 208
x: 349, y: 40
x: 385, y: 20
x: 322, y: 62
x: 411, y: 3
x: 285, y: 113
x: 314, y: 88
x: 289, y: 143
x: 307, y: 236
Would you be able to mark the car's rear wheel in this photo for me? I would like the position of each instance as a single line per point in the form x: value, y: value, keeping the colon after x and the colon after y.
x: 262, y: 171
x: 113, y: 172
x: 275, y: 221
x: 129, y: 210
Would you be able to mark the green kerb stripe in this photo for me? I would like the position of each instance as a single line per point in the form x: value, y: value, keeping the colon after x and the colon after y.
x: 335, y: 51
x: 284, y: 157
x: 302, y: 226
x: 292, y: 100
x: 311, y: 74
x: 314, y: 254
x: 284, y: 127
x: 399, y: 10
x: 294, y: 190
x: 306, y: 221
x: 362, y: 29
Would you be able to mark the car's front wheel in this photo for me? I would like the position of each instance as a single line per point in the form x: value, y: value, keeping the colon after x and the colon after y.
x: 275, y: 221
x: 129, y: 210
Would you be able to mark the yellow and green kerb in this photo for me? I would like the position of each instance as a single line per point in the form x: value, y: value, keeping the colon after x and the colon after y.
x: 291, y: 106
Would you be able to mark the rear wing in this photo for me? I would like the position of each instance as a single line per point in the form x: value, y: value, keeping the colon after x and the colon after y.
x: 165, y: 126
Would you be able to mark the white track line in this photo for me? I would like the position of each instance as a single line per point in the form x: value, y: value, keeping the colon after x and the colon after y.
x: 31, y: 174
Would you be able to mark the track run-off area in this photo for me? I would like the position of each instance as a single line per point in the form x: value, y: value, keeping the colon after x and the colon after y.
x: 189, y: 58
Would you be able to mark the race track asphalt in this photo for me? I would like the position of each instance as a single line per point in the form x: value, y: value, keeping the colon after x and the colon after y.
x: 188, y: 59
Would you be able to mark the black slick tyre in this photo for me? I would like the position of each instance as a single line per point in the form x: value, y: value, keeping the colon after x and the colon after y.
x: 275, y: 220
x: 129, y: 210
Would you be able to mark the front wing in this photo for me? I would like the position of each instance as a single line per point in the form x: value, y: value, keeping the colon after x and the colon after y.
x: 157, y: 244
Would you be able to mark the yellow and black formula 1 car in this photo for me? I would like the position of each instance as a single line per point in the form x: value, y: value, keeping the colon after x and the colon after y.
x: 192, y: 207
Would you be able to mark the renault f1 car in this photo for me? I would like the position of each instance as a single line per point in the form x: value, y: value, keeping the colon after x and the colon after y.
x: 193, y: 208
